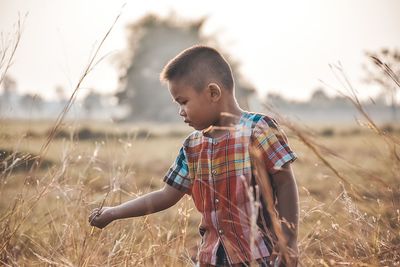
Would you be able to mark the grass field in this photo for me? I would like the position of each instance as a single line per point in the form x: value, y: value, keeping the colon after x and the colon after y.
x: 348, y: 179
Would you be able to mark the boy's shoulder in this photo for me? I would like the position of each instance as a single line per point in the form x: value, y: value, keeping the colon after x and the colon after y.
x: 249, y: 120
x: 193, y: 139
x: 253, y: 119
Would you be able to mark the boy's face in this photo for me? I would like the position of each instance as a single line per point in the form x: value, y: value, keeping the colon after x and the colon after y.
x: 198, y: 108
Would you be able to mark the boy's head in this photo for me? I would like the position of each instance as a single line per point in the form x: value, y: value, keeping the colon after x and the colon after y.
x: 200, y: 81
x: 198, y: 66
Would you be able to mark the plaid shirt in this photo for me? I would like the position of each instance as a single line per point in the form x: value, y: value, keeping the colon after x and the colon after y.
x: 217, y: 173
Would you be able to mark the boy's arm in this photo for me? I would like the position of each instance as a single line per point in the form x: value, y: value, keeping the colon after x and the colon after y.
x: 143, y: 205
x: 287, y: 203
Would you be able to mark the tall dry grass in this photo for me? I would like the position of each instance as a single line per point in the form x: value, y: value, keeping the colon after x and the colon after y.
x: 9, y: 47
x: 360, y: 225
x: 43, y: 212
x: 43, y: 221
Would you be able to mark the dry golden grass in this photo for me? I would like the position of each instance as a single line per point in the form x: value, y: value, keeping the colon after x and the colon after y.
x: 57, y: 200
x: 349, y: 194
x: 43, y: 218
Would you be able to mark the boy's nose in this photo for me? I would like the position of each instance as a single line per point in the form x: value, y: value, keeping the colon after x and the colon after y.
x: 182, y: 112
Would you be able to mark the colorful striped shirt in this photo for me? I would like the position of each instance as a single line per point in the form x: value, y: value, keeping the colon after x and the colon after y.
x: 217, y: 173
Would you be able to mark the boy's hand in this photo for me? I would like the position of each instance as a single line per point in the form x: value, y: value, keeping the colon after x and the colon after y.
x: 101, y: 217
x: 143, y: 205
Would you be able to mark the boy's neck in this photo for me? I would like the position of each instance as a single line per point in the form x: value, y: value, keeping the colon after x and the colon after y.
x: 230, y: 115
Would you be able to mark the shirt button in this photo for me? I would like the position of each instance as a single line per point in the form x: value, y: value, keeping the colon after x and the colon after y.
x: 220, y: 231
x: 214, y: 172
x: 216, y: 200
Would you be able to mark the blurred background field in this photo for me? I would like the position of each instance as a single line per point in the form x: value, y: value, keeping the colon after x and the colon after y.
x: 44, y: 216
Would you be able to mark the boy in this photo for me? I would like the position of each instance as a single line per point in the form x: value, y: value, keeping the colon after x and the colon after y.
x: 217, y: 167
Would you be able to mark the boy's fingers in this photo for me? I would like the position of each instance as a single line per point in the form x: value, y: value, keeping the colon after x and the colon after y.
x: 93, y: 215
x: 95, y: 211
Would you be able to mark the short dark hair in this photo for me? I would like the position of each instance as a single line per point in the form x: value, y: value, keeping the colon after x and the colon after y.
x: 198, y: 65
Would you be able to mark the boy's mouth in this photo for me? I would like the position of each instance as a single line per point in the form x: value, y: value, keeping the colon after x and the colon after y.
x: 188, y: 122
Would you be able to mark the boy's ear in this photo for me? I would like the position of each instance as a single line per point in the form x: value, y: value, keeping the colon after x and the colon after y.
x: 214, y: 91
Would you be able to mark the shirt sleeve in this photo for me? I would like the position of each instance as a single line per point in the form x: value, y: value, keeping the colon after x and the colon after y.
x: 178, y: 174
x: 272, y: 142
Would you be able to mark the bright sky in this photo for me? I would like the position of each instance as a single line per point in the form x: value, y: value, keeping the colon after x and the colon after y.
x: 284, y: 46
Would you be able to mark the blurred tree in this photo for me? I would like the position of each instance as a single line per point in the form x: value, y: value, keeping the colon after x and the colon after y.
x: 319, y: 94
x: 275, y: 99
x: 31, y: 103
x: 9, y: 87
x: 383, y: 69
x: 319, y: 97
x: 61, y: 95
x: 380, y: 99
x: 153, y: 41
x: 92, y: 102
x: 9, y: 84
